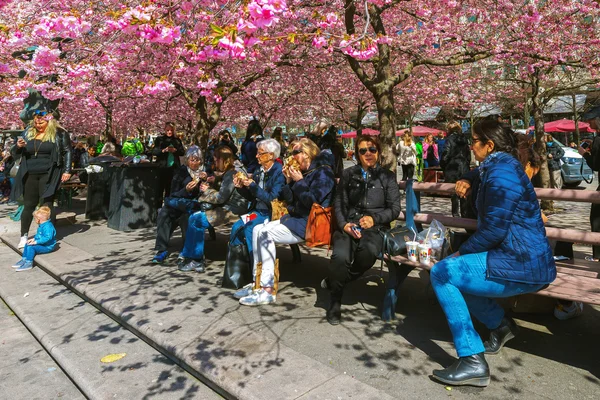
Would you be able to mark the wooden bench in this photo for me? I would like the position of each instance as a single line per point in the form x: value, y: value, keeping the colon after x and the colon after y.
x: 577, y: 280
x: 66, y: 191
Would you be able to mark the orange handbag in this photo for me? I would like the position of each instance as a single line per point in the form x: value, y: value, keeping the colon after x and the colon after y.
x: 320, y: 225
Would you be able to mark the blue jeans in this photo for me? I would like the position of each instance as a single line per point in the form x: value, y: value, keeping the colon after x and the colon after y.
x: 194, y: 236
x: 246, y: 231
x: 29, y: 252
x: 461, y: 286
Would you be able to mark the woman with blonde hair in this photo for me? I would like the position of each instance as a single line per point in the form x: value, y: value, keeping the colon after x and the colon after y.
x: 312, y: 182
x: 407, y: 156
x: 43, y: 153
x: 431, y: 156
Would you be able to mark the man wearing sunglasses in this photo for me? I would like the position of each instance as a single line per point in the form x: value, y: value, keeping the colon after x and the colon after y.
x: 367, y: 199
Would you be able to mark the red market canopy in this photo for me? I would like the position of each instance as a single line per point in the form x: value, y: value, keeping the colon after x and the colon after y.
x: 419, y: 131
x: 365, y: 131
x: 566, y: 125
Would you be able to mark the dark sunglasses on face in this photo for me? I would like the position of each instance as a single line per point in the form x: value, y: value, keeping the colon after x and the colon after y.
x: 372, y: 150
x: 40, y: 113
x: 296, y: 152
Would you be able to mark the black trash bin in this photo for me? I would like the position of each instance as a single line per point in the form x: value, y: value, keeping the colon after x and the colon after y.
x: 98, y: 194
x: 134, y: 196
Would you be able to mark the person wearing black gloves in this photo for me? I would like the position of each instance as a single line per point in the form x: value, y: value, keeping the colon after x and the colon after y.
x: 167, y: 149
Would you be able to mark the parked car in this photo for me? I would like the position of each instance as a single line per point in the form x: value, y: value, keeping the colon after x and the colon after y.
x: 574, y: 168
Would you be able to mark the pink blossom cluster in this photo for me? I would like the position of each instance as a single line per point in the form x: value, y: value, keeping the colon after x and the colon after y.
x: 368, y: 49
x: 45, y: 57
x: 157, y: 87
x: 64, y: 27
x: 160, y: 34
x: 263, y: 13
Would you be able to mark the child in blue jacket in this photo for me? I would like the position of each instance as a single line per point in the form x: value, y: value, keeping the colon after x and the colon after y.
x: 43, y: 242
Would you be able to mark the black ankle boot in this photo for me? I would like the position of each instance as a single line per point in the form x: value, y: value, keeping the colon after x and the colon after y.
x: 472, y: 370
x: 507, y: 330
x: 334, y: 313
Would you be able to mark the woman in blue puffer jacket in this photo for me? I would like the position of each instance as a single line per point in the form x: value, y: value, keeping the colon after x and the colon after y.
x: 508, y: 255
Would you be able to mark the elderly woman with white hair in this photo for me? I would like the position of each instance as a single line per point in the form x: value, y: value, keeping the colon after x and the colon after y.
x: 260, y: 190
x: 185, y: 188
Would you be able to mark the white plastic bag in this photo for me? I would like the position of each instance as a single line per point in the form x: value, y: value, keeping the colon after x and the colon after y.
x: 434, y: 235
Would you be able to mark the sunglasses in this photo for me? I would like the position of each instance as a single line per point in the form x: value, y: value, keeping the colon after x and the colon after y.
x: 296, y: 152
x: 40, y: 113
x: 372, y: 150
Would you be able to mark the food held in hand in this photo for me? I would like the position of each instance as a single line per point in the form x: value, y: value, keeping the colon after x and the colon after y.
x: 240, y: 175
x: 291, y: 162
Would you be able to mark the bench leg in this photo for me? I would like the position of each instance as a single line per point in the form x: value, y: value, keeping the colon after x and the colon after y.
x: 296, y: 255
x: 397, y: 275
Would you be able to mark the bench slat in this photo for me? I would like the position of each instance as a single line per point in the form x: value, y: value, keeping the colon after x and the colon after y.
x: 585, y: 196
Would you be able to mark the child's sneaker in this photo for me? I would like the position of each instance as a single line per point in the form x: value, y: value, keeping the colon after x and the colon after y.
x: 27, y: 265
x: 22, y: 242
x: 160, y: 257
x: 564, y: 312
x: 244, y: 291
x: 257, y: 298
x: 18, y: 264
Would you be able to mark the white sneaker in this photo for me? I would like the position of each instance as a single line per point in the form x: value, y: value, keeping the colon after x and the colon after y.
x: 258, y: 297
x: 564, y: 312
x: 22, y: 242
x: 244, y: 291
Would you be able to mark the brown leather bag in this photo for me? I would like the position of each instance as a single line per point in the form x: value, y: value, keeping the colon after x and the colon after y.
x: 319, y: 228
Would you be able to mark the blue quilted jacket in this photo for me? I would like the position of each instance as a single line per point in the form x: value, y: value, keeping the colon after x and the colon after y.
x: 509, y: 224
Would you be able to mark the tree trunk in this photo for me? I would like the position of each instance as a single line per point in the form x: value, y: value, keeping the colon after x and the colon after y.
x: 387, y: 127
x: 108, y: 122
x: 576, y: 120
x: 540, y: 144
x: 207, y: 117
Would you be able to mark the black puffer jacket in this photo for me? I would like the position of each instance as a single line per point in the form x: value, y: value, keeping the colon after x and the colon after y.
x: 377, y: 197
x: 456, y: 157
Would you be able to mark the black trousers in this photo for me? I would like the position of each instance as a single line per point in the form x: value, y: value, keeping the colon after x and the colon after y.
x: 167, y: 220
x: 166, y: 177
x: 595, y: 222
x: 459, y: 206
x: 33, y: 188
x: 408, y: 171
x: 351, y: 258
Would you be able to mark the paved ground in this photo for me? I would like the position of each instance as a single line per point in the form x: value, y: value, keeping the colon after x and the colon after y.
x: 550, y: 359
x: 26, y: 370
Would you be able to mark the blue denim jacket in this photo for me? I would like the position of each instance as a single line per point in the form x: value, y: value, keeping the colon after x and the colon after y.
x: 509, y: 224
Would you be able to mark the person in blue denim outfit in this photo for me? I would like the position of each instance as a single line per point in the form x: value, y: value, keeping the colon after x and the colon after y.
x: 220, y: 204
x: 508, y: 255
x: 43, y: 242
x: 264, y: 187
x: 185, y: 189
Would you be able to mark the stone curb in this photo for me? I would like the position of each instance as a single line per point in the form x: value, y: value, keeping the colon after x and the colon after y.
x: 306, y: 379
